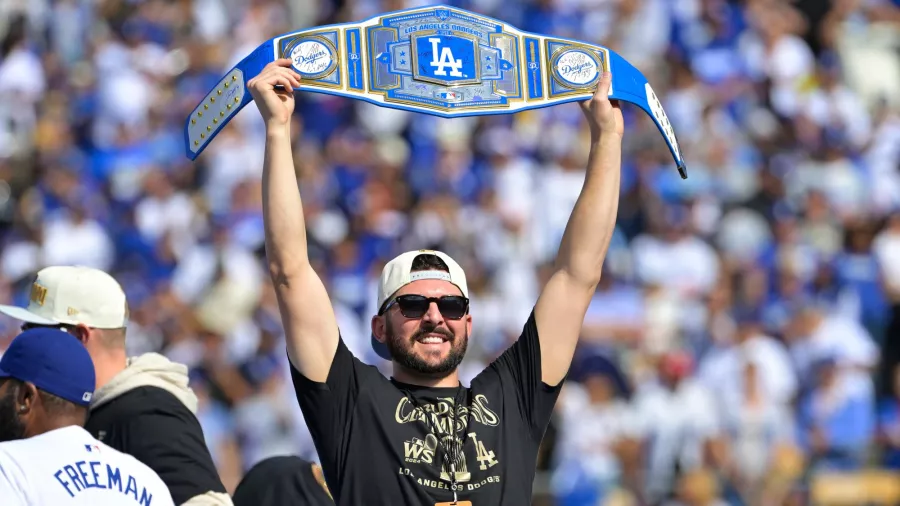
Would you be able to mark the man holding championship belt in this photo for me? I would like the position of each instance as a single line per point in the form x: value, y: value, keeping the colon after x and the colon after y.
x: 421, y: 438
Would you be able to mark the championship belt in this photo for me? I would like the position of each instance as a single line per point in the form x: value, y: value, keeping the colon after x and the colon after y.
x: 437, y: 60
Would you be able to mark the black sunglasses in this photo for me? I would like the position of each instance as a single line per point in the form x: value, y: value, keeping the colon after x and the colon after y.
x: 453, y: 307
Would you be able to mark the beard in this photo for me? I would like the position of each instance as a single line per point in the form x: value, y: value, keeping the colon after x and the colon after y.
x: 11, y: 427
x: 402, y: 351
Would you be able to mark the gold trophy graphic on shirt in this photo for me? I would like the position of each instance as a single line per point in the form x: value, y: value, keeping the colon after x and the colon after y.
x: 462, y: 473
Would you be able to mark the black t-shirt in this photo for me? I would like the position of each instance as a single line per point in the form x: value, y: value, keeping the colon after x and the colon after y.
x: 378, y: 447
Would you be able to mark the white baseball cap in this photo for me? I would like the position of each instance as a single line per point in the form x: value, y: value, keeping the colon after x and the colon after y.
x: 73, y: 295
x: 398, y: 273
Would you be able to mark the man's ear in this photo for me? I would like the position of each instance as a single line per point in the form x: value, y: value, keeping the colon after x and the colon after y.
x: 82, y: 333
x: 26, y: 399
x: 379, y: 324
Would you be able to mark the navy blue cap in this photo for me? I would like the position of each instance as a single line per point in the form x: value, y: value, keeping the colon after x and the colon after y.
x: 380, y: 348
x: 55, y: 361
x: 599, y: 364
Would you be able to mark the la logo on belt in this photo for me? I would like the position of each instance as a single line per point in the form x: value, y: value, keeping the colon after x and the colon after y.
x: 437, y: 60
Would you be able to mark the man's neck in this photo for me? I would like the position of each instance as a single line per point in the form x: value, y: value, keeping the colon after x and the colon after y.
x: 109, y: 364
x: 51, y: 425
x: 423, y: 380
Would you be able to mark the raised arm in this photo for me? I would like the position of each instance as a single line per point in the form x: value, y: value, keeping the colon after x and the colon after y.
x: 306, y: 313
x: 559, y: 312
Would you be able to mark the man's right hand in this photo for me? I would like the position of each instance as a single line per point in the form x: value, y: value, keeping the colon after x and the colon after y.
x: 310, y: 327
x: 275, y: 104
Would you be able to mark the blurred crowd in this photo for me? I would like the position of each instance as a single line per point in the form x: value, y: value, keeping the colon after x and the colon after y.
x: 745, y: 336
